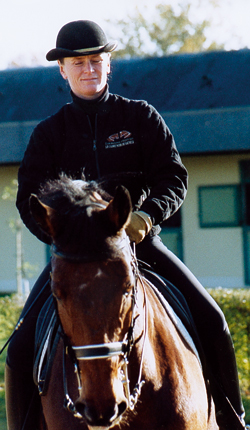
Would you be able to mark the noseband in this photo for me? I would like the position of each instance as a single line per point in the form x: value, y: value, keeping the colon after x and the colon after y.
x: 107, y: 350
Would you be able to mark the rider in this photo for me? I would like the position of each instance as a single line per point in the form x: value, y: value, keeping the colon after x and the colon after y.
x: 122, y: 141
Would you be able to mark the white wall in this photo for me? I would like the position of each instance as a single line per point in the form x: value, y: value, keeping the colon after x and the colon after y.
x: 33, y: 250
x: 214, y: 255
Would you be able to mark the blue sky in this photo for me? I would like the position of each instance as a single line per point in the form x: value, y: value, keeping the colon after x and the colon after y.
x: 28, y: 28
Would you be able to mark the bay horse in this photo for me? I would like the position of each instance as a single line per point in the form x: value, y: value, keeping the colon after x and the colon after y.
x: 120, y: 362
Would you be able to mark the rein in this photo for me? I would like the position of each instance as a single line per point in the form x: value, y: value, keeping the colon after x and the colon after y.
x: 107, y: 350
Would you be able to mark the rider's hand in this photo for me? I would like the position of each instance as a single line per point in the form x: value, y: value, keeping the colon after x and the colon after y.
x: 139, y: 226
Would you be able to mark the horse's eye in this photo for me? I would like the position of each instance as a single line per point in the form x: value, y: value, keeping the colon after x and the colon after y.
x: 55, y: 296
x: 56, y: 293
x: 128, y: 290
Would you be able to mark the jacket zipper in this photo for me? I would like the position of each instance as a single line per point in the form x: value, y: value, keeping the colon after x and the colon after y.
x: 94, y: 139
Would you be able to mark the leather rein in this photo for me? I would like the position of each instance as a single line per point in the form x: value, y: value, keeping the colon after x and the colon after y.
x: 106, y: 350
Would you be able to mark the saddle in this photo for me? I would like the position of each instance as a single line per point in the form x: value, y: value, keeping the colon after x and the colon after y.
x: 176, y: 307
x: 49, y: 331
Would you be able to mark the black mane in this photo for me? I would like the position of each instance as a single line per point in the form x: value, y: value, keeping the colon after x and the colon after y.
x: 65, y: 191
x: 79, y: 224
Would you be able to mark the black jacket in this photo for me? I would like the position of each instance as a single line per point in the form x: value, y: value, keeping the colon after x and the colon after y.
x: 120, y: 140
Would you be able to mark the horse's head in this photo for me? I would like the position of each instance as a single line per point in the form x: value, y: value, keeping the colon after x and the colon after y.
x: 93, y: 281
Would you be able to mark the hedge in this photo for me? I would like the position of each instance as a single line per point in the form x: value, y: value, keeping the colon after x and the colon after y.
x: 235, y: 303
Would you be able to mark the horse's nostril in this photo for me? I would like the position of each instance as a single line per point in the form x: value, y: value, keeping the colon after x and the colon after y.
x: 80, y: 407
x: 100, y: 419
x: 122, y: 408
x: 90, y: 414
x: 114, y: 413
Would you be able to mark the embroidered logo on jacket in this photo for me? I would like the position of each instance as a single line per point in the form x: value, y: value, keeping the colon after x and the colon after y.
x: 122, y: 138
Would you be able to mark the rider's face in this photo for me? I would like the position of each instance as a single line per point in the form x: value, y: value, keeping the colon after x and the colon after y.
x: 87, y: 75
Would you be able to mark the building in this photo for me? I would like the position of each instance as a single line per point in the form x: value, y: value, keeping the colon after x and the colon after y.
x: 205, y: 100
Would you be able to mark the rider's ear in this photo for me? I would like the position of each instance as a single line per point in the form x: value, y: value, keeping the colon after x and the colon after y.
x: 62, y: 69
x: 119, y: 209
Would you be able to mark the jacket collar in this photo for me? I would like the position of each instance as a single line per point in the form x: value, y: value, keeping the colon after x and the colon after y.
x: 100, y: 105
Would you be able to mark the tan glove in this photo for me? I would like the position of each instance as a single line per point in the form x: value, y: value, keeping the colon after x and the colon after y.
x: 139, y: 226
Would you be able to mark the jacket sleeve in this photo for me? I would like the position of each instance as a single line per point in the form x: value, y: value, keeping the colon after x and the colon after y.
x: 165, y: 174
x: 35, y: 169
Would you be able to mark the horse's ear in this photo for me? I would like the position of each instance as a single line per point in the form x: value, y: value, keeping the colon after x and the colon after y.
x: 43, y: 215
x: 120, y: 207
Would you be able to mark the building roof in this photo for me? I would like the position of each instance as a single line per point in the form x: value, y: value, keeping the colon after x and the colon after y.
x: 31, y: 93
x: 186, y: 82
x: 211, y: 131
x: 204, y: 98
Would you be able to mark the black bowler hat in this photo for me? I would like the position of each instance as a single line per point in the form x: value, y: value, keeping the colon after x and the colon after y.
x: 79, y: 38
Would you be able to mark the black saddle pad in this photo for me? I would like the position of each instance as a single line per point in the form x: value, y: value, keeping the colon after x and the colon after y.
x: 48, y: 333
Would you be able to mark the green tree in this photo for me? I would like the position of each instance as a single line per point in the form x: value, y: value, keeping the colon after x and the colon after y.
x: 167, y: 32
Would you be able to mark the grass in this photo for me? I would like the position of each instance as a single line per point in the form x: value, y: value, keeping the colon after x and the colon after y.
x: 9, y: 312
x: 3, y: 424
x: 234, y: 303
x: 246, y: 402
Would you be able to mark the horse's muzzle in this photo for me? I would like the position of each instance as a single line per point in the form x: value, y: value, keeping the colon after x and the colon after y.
x: 104, y: 420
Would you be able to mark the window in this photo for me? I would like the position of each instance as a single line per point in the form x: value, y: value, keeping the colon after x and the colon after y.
x: 220, y: 206
x: 246, y: 199
x: 245, y: 178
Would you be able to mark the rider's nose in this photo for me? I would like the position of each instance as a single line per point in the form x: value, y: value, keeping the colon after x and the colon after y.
x: 88, y: 67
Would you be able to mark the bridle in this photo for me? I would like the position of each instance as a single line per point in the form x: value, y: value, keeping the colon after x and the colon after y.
x: 107, y: 350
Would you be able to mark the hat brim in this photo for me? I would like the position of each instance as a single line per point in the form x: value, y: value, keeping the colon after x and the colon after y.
x: 57, y: 53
